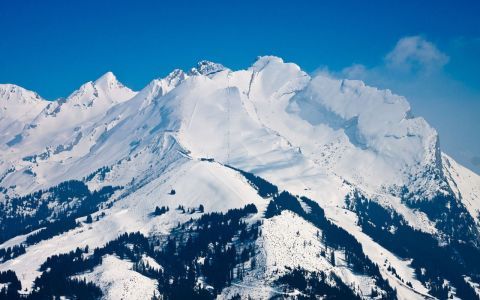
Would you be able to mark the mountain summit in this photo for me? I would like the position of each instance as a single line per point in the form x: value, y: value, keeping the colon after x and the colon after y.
x: 206, y: 68
x: 263, y: 182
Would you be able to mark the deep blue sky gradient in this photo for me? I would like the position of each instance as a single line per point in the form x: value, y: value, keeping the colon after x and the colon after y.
x: 52, y: 47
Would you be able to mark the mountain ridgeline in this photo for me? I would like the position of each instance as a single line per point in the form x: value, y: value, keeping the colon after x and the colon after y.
x: 263, y: 183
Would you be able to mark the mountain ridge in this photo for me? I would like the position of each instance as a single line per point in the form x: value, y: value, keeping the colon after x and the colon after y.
x: 213, y: 137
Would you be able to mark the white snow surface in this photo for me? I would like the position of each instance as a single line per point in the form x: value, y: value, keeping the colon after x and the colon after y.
x: 465, y: 184
x: 271, y: 116
x: 217, y: 188
x: 119, y: 281
x: 287, y: 242
x: 18, y: 107
x: 315, y: 136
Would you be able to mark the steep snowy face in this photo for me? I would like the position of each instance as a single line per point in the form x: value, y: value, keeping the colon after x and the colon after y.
x: 373, y: 125
x: 18, y: 107
x: 365, y: 135
x: 17, y: 102
x: 161, y: 86
x: 55, y: 131
x: 465, y: 184
x: 274, y: 112
x: 207, y: 68
x: 109, y: 88
x: 206, y: 139
x: 60, y: 121
x: 91, y: 99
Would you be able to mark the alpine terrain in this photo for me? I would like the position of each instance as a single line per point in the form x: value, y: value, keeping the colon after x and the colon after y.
x: 211, y: 183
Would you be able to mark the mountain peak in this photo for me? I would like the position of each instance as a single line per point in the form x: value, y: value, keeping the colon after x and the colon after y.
x: 161, y: 86
x: 263, y: 61
x: 206, y: 68
x: 106, y: 87
x: 12, y: 92
x: 18, y: 104
x: 175, y: 75
x: 108, y: 80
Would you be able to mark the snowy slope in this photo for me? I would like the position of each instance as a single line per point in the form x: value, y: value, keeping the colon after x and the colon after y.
x: 263, y: 109
x: 196, y: 182
x: 122, y: 282
x: 288, y: 241
x: 320, y: 137
x: 465, y: 184
x: 54, y: 133
x: 18, y: 107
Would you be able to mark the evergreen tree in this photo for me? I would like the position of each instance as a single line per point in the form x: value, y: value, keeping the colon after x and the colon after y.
x: 253, y: 263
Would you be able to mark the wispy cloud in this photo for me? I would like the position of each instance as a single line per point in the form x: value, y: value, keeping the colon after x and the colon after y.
x: 412, y: 56
x: 415, y: 54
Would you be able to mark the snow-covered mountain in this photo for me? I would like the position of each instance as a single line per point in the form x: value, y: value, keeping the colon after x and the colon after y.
x: 264, y: 182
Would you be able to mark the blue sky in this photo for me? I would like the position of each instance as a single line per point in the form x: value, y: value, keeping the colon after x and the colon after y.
x: 428, y: 51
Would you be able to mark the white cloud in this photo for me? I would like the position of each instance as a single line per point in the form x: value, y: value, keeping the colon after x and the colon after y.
x: 414, y: 53
x: 356, y: 71
x: 413, y: 57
